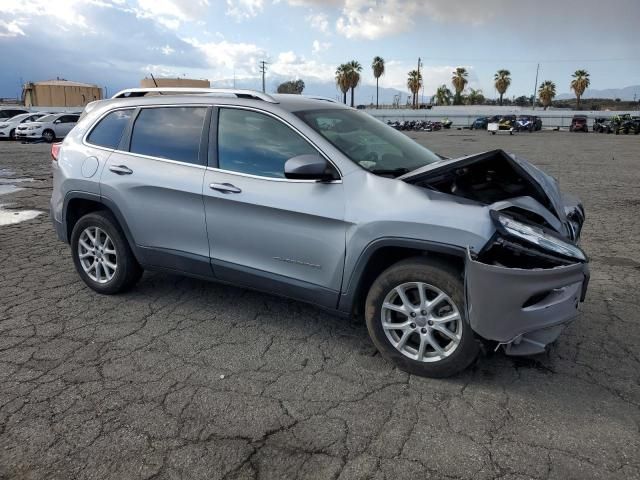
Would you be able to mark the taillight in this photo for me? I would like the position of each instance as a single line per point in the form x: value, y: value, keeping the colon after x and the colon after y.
x: 55, y: 150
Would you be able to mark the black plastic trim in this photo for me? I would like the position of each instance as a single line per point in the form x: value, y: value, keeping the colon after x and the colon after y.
x: 274, y: 284
x: 212, y: 157
x: 175, y: 261
x: 347, y: 298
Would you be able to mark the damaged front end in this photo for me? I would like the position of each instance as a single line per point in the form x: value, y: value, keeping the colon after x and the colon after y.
x: 525, y: 284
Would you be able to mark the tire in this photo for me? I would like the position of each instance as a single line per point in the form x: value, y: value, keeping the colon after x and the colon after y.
x: 12, y: 134
x: 432, y: 276
x: 127, y: 271
x: 49, y: 136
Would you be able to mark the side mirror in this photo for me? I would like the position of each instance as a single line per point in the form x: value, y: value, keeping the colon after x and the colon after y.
x: 57, y: 121
x: 308, y: 167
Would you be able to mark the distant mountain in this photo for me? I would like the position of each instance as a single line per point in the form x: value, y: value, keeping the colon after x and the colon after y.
x: 364, y: 94
x: 626, y: 93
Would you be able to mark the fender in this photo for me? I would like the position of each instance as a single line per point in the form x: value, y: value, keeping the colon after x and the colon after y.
x: 350, y: 285
x: 110, y: 205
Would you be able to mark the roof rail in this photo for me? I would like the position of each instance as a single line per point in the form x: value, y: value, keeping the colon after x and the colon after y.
x: 141, y: 92
x: 318, y: 97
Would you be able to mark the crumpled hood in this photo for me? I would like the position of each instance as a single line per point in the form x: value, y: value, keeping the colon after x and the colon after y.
x: 503, y: 166
x: 549, y: 185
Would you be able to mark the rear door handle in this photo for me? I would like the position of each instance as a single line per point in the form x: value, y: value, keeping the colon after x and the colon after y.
x: 225, y: 188
x: 121, y: 169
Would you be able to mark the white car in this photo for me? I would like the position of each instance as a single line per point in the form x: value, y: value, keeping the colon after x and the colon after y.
x: 48, y: 128
x: 8, y: 126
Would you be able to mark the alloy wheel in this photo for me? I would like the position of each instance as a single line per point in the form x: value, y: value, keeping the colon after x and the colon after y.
x: 97, y: 254
x: 421, y: 321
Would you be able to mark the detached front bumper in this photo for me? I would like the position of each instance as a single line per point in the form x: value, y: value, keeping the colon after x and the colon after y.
x: 524, y: 309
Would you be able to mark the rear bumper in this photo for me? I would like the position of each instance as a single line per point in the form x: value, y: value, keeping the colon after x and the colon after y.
x: 58, y: 225
x: 524, y: 309
x: 60, y: 229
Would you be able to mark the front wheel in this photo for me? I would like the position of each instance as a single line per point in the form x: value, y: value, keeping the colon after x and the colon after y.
x: 102, y: 255
x: 415, y: 316
x: 49, y: 136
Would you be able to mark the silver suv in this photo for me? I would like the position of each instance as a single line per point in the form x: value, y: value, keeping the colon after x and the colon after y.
x: 312, y: 200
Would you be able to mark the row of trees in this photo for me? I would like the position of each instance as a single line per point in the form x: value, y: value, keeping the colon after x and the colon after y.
x: 348, y: 76
x: 502, y: 81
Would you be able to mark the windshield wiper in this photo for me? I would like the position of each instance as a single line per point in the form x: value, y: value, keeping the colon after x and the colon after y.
x: 396, y: 172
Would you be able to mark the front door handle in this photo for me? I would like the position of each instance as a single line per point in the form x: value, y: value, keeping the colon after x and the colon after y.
x: 225, y: 188
x: 121, y: 169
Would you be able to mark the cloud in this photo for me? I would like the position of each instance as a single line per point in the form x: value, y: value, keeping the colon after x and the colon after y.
x: 373, y: 19
x: 65, y: 12
x: 229, y: 56
x: 318, y: 21
x: 244, y: 9
x: 318, y: 46
x: 171, y: 14
x: 10, y: 29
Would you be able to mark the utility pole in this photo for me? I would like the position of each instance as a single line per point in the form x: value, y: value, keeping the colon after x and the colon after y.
x: 419, y: 61
x: 535, y: 87
x: 263, y: 69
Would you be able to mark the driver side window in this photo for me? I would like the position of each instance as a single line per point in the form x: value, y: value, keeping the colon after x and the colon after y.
x: 257, y: 144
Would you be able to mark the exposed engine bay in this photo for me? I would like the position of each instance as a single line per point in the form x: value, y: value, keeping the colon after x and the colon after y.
x: 537, y: 226
x: 487, y: 178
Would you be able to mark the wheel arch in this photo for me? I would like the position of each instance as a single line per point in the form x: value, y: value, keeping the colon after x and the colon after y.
x: 380, y: 255
x: 78, y: 204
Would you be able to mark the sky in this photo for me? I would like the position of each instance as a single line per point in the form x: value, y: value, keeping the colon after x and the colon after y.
x: 115, y: 43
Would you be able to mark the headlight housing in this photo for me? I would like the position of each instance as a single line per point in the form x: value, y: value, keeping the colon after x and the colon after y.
x: 534, y: 235
x: 4, y: 125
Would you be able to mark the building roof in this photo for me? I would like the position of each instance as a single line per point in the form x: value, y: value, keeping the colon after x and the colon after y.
x: 65, y: 83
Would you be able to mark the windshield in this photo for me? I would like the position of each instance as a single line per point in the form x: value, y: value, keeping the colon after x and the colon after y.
x: 17, y: 118
x: 47, y: 118
x: 368, y: 142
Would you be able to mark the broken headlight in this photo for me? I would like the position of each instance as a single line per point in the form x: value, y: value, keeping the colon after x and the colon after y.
x: 534, y: 235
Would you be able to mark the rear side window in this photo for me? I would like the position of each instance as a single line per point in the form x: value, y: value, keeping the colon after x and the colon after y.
x: 109, y: 130
x: 169, y: 132
x: 257, y: 144
x: 68, y: 119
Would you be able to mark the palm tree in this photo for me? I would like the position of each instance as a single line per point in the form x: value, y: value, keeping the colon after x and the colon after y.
x: 353, y: 69
x: 414, y: 82
x: 443, y: 95
x: 475, y: 97
x: 546, y: 92
x: 342, y: 81
x: 459, y: 81
x: 579, y: 84
x: 502, y: 80
x: 378, y: 70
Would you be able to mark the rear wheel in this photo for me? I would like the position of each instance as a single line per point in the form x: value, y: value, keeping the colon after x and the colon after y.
x: 49, y: 136
x: 102, y: 255
x: 415, y: 317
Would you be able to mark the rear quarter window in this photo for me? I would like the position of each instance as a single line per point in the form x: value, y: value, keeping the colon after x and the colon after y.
x: 108, y: 132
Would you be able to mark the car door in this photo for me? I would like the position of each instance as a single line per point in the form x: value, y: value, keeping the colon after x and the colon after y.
x: 266, y: 231
x: 64, y: 124
x: 154, y: 180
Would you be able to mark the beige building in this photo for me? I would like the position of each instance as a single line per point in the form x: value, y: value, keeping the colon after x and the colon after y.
x: 174, y: 82
x: 59, y: 93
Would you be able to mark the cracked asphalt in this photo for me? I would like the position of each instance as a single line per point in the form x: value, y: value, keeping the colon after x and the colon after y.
x: 185, y: 379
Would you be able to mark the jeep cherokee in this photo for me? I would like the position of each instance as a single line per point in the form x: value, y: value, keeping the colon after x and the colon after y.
x: 312, y: 200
